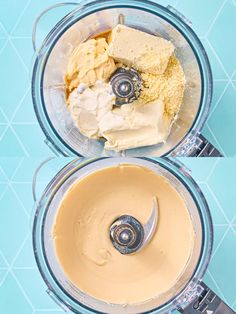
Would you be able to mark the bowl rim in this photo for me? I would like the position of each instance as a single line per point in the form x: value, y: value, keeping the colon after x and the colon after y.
x: 90, y: 7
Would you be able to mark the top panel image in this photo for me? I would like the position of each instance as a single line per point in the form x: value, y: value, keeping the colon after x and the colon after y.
x: 118, y: 78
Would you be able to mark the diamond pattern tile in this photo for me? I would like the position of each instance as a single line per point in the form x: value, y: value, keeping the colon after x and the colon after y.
x: 217, y: 213
x: 220, y: 88
x: 12, y: 145
x: 224, y: 115
x: 3, y: 274
x: 207, y: 132
x: 2, y: 43
x: 226, y: 176
x: 3, y: 264
x: 3, y: 128
x: 3, y: 268
x: 24, y: 114
x: 51, y: 312
x: 226, y: 23
x: 14, y: 83
x: 234, y: 80
x: 218, y: 70
x: 10, y: 166
x: 3, y: 118
x: 18, y: 271
x: 10, y: 17
x: 32, y: 11
x: 3, y: 32
x: 209, y: 280
x: 225, y: 257
x: 28, y: 133
x: 210, y: 20
x: 202, y: 15
x: 20, y: 136
x: 25, y: 259
x: 13, y: 297
x: 35, y: 292
x: 15, y: 220
x: 220, y: 232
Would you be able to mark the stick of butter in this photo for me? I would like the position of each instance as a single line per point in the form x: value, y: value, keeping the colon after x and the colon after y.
x: 137, y: 49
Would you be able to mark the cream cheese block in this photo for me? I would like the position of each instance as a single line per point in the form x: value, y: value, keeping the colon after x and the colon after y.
x: 88, y: 105
x: 135, y: 125
x: 137, y: 49
x: 129, y: 126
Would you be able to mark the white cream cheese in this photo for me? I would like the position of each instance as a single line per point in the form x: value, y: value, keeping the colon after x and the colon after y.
x: 89, y: 105
x: 135, y: 125
x: 132, y: 125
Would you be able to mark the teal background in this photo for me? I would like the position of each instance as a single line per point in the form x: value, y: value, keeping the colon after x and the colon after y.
x: 20, y: 135
x: 22, y: 290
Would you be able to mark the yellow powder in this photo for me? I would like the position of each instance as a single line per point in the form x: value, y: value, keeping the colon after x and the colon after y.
x: 168, y: 87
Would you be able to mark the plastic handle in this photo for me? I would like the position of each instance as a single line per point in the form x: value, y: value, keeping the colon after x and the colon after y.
x: 55, y: 149
x: 205, y: 149
x: 207, y: 303
x: 36, y: 175
x: 34, y: 31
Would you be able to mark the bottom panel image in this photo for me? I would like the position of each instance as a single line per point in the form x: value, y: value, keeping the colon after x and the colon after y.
x: 118, y: 235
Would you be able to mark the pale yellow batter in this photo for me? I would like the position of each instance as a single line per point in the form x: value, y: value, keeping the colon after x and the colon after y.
x: 84, y: 249
x: 88, y: 63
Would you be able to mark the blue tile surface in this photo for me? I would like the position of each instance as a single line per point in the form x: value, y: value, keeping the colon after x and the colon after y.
x: 20, y: 135
x: 19, y: 276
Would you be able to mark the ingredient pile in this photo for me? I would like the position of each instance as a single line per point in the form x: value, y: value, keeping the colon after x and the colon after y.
x: 152, y: 79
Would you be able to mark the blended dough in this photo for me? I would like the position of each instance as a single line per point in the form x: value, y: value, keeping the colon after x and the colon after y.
x: 84, y: 249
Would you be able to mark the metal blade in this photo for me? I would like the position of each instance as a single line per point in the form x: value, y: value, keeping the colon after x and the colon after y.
x: 151, y: 225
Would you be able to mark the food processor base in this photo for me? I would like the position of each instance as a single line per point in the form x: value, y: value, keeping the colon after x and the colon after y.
x: 205, y: 149
x: 207, y: 303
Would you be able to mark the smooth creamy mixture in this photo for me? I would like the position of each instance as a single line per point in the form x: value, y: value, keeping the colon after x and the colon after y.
x: 84, y: 249
x: 147, y: 120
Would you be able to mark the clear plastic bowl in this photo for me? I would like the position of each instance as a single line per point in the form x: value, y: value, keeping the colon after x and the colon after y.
x: 61, y: 289
x: 91, y: 18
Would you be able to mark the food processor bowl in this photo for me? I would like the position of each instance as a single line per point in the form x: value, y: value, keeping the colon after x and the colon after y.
x: 93, y: 17
x: 186, y: 289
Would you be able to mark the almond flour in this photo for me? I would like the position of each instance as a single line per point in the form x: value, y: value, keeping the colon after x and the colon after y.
x: 168, y: 87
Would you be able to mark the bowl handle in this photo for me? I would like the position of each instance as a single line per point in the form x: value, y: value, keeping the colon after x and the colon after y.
x: 36, y: 23
x: 36, y: 175
x: 205, y: 149
x: 207, y: 303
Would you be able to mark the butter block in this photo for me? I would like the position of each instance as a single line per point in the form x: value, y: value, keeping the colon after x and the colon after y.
x: 140, y: 50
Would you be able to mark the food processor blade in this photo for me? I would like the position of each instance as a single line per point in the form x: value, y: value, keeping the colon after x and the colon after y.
x: 126, y: 85
x: 151, y: 225
x: 128, y: 235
